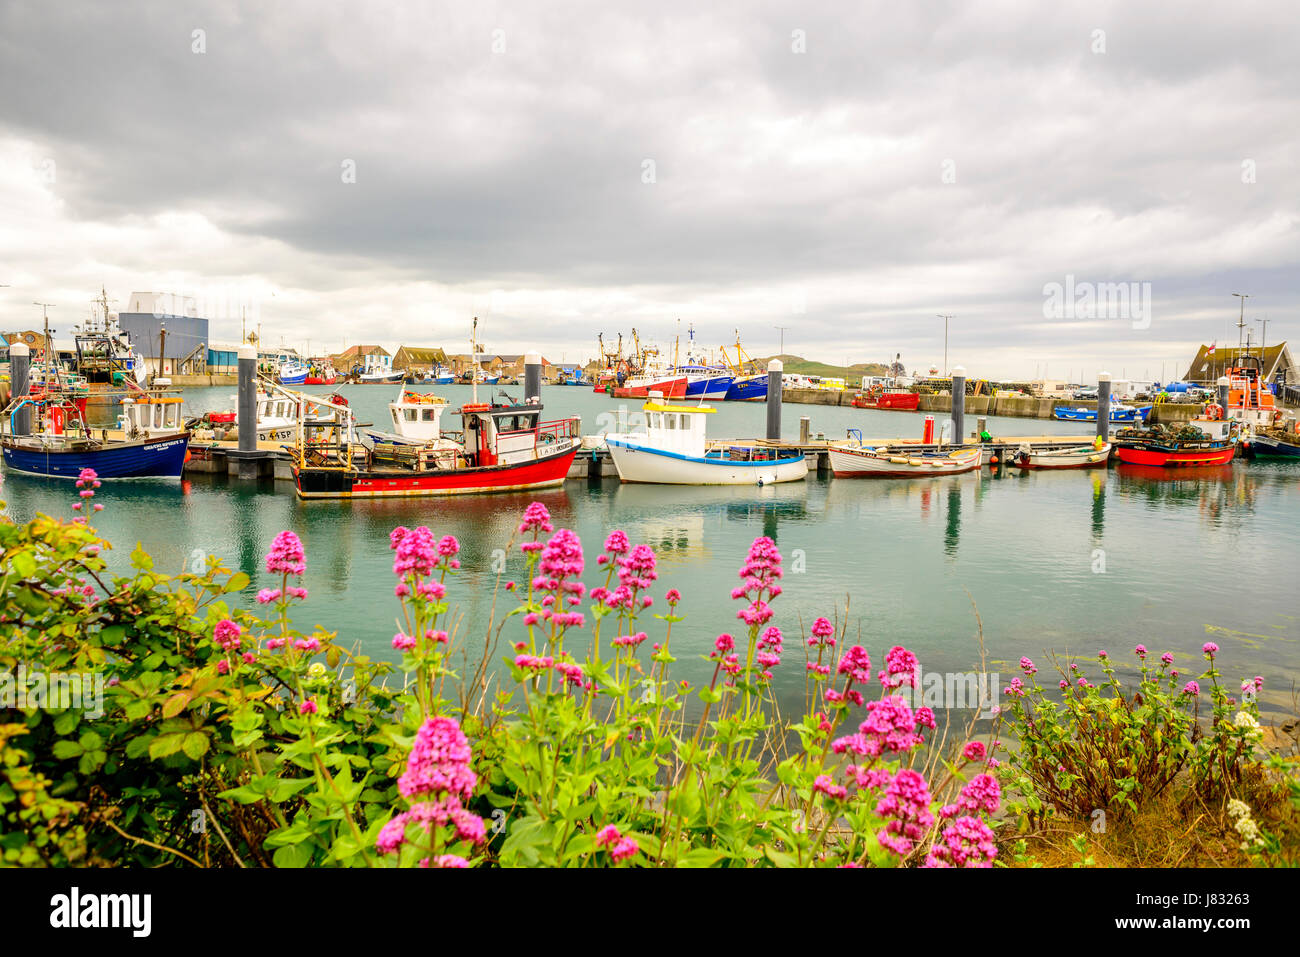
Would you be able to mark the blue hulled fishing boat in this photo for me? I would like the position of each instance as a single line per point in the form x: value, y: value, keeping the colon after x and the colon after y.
x: 55, y: 440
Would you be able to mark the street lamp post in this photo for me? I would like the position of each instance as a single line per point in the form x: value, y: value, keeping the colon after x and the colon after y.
x: 945, y: 341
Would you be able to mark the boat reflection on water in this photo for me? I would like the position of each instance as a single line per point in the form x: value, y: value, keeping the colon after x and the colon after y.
x: 952, y: 529
x: 1217, y: 490
x: 678, y: 521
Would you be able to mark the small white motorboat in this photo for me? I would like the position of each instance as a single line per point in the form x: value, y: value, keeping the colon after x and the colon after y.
x: 674, y: 450
x: 854, y: 461
x: 1078, y: 457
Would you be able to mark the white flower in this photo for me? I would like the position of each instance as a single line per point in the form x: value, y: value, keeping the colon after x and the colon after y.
x: 1238, y: 809
x: 1244, y: 719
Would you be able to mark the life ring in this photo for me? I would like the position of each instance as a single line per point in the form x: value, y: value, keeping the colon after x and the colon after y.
x: 1214, y: 411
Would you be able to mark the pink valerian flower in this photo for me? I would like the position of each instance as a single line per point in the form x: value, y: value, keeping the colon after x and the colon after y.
x: 1209, y: 649
x: 616, y: 543
x: 226, y: 634
x: 561, y: 559
x: 825, y: 784
x: 307, y: 707
x: 867, y: 778
x: 295, y: 592
x: 448, y: 861
x: 268, y: 595
x: 924, y: 718
x: 890, y: 725
x: 637, y: 569
x: 571, y: 671
x: 723, y: 644
x: 536, y: 519
x: 759, y: 612
x: 1191, y: 688
x: 439, y: 762
x: 223, y: 667
x: 1167, y: 659
x: 856, y: 663
x: 396, y: 535
x: 608, y: 835
x: 286, y: 556
x: 403, y: 642
x: 974, y: 751
x: 673, y: 596
x: 417, y: 553
x: 1141, y: 652
x: 307, y: 644
x: 822, y: 632
x: 438, y: 768
x: 431, y: 589
x: 630, y: 641
x: 980, y: 794
x: 966, y: 842
x: 1016, y: 688
x: 1028, y: 666
x: 534, y: 662
x: 275, y: 644
x: 448, y: 546
x: 906, y: 803
x: 900, y: 668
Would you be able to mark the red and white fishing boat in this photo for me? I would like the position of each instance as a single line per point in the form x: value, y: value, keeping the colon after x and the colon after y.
x: 1249, y: 399
x: 500, y: 448
x: 668, y: 383
x: 1077, y: 457
x: 852, y: 461
x: 1203, y: 442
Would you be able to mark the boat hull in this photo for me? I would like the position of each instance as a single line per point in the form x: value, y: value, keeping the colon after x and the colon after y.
x: 162, y: 457
x: 897, y: 401
x: 670, y: 388
x: 545, y: 472
x: 636, y: 463
x: 373, y: 378
x: 865, y: 463
x: 1167, y: 457
x: 318, y: 380
x: 1090, y: 415
x: 710, y: 387
x: 1084, y: 457
x: 1267, y: 447
x: 750, y: 389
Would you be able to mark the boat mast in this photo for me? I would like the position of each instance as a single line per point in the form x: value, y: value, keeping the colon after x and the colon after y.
x: 473, y: 358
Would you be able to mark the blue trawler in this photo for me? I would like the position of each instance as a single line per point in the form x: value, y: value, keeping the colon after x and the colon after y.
x: 49, y: 436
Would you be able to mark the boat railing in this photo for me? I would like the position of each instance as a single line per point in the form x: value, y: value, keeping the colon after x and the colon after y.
x: 557, y: 430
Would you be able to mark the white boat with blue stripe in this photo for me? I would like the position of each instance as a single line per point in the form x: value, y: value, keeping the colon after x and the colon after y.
x: 674, y: 450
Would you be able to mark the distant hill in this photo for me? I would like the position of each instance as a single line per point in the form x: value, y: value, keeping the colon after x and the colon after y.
x: 798, y: 365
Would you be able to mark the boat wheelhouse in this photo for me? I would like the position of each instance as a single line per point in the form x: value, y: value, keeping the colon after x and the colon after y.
x: 378, y: 367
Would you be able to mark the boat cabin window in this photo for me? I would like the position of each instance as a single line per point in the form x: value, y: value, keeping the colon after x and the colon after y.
x: 656, y: 420
x: 428, y: 415
x: 412, y: 415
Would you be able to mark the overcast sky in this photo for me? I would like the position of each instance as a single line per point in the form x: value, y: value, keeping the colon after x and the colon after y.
x: 846, y: 171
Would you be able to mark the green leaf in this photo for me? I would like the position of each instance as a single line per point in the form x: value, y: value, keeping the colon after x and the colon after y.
x: 196, y: 744
x: 140, y: 558
x: 166, y: 744
x: 63, y: 750
x: 237, y: 582
x: 24, y: 563
x: 293, y: 855
x: 65, y: 722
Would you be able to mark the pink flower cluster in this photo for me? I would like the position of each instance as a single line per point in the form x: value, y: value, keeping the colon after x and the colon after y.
x: 417, y: 551
x: 890, y: 726
x: 906, y: 803
x: 966, y: 842
x: 900, y: 667
x: 620, y: 848
x: 438, y: 768
x: 226, y: 634
x: 536, y: 520
x: 286, y: 556
x: 558, y: 568
x: 761, y: 573
x: 87, y: 481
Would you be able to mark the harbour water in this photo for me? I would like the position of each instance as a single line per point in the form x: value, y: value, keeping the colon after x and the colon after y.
x: 1070, y: 562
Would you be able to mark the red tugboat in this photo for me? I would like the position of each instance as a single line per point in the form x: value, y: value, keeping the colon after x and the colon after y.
x: 500, y: 448
x: 878, y: 398
x: 1204, y: 442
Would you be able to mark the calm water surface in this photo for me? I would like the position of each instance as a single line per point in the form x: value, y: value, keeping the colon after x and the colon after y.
x: 1070, y: 562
